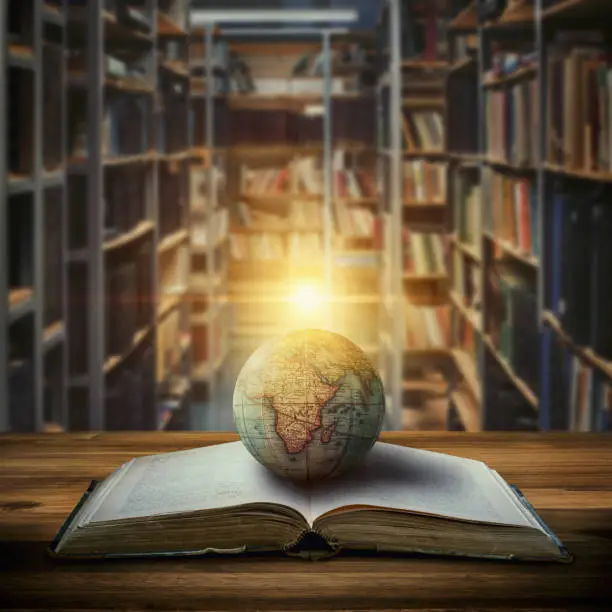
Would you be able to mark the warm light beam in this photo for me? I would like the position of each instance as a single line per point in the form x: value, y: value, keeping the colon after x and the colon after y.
x: 307, y: 298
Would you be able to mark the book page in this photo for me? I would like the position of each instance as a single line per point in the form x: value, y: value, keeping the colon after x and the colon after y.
x: 403, y: 478
x: 206, y: 478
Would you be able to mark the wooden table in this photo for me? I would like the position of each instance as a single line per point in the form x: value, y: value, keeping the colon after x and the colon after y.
x: 568, y: 478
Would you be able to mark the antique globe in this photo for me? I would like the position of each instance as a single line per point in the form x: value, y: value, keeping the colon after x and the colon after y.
x: 308, y: 405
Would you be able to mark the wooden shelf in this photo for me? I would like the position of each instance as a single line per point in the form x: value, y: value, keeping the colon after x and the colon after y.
x: 167, y: 27
x: 21, y: 302
x: 425, y: 64
x: 468, y: 250
x: 114, y: 30
x: 465, y: 20
x: 506, y: 80
x: 590, y: 175
x: 569, y: 9
x: 173, y: 240
x: 110, y: 363
x: 521, y: 386
x: 137, y: 232
x: 468, y: 370
x: 586, y: 354
x: 20, y: 56
x: 424, y: 205
x: 512, y: 251
x: 468, y: 409
x: 471, y: 315
x: 128, y: 84
x: 413, y: 277
x: 505, y: 165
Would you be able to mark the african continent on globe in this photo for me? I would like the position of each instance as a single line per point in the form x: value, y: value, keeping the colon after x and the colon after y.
x: 309, y: 404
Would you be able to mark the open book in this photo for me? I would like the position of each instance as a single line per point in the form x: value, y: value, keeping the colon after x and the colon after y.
x: 220, y: 499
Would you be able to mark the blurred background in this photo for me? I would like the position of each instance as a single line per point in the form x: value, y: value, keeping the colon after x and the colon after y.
x: 186, y: 179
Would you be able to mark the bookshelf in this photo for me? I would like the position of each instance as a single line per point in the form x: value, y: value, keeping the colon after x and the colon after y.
x: 414, y: 162
x: 301, y: 180
x: 173, y: 197
x: 211, y: 316
x: 529, y: 202
x: 33, y: 219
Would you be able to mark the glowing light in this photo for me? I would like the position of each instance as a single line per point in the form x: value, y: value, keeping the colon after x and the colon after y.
x: 308, y: 298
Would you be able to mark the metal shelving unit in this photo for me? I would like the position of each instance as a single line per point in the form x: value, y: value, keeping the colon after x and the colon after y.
x: 32, y: 318
x: 389, y: 91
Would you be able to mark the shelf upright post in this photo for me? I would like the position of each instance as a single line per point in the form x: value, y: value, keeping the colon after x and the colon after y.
x: 152, y: 185
x: 212, y: 205
x: 95, y: 216
x: 395, y: 193
x: 327, y: 171
x: 545, y: 416
x: 64, y: 395
x: 4, y: 406
x: 39, y: 219
x: 187, y: 356
x: 483, y: 52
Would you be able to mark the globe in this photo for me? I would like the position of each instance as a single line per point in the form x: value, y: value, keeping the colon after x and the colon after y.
x: 308, y: 405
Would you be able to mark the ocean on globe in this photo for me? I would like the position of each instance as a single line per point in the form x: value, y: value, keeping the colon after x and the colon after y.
x: 309, y: 405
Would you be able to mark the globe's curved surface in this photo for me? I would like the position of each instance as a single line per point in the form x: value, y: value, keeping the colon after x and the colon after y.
x: 309, y: 404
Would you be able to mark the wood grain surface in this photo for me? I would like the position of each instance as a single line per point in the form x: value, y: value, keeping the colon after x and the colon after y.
x: 567, y: 477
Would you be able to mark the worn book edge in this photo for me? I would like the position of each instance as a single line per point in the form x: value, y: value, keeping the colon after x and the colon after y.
x: 325, y: 550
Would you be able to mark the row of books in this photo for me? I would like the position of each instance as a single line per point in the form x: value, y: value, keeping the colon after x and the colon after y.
x: 583, y: 396
x: 355, y: 222
x: 172, y: 133
x: 125, y: 199
x: 507, y: 63
x: 467, y: 280
x: 129, y: 285
x: 173, y: 336
x: 424, y: 181
x: 53, y: 309
x: 468, y: 206
x: 423, y: 130
x: 172, y: 199
x: 427, y: 326
x: 299, y: 215
x: 579, y: 108
x: 512, y: 214
x: 199, y: 179
x: 581, y: 258
x: 424, y: 252
x: 130, y: 393
x: 513, y: 321
x: 261, y: 247
x: 512, y: 123
x: 173, y: 272
x: 212, y: 231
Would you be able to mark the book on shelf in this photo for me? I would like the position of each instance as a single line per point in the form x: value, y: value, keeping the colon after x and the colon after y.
x: 420, y: 501
x: 424, y: 182
x: 467, y: 281
x: 515, y: 329
x: 308, y: 176
x: 468, y: 205
x: 169, y: 330
x: 122, y: 306
x: 423, y: 130
x: 513, y: 213
x: 572, y: 284
x: 581, y: 406
x: 424, y: 31
x: 212, y: 232
x: 579, y: 107
x: 351, y: 183
x: 427, y: 326
x: 512, y: 123
x: 424, y: 252
x: 353, y: 222
x: 265, y: 181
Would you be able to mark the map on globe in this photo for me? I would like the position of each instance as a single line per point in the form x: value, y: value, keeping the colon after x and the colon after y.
x: 309, y: 404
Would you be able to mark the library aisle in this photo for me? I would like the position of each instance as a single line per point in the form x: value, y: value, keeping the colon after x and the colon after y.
x: 437, y: 187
